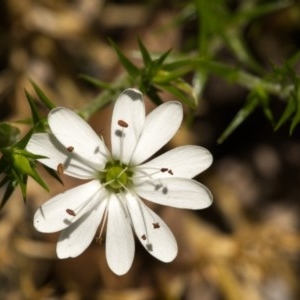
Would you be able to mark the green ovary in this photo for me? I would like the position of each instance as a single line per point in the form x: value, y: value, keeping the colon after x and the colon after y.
x: 116, y: 178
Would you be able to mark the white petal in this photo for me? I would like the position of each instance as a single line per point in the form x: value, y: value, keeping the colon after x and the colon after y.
x: 185, y: 161
x: 47, y: 145
x: 175, y: 192
x: 153, y: 233
x: 52, y: 216
x: 73, y: 131
x: 119, y: 237
x: 160, y: 126
x: 130, y: 108
x: 78, y: 236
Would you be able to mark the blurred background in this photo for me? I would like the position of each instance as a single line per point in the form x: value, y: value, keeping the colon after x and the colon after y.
x: 245, y: 246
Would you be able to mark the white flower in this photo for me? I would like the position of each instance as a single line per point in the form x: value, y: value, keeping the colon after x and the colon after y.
x: 118, y: 181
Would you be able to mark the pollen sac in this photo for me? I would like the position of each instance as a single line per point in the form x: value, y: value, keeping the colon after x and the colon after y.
x: 60, y: 169
x: 143, y: 237
x: 70, y: 212
x: 122, y: 124
x: 70, y: 149
x: 156, y: 225
x: 164, y: 170
x: 170, y: 172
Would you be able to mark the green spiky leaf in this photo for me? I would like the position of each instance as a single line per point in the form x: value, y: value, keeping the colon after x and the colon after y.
x: 288, y: 112
x: 23, y: 167
x: 96, y: 82
x: 9, y: 186
x: 296, y: 117
x: 49, y: 104
x: 132, y: 69
x: 145, y: 54
x: 250, y: 105
x: 34, y: 111
x: 181, y: 94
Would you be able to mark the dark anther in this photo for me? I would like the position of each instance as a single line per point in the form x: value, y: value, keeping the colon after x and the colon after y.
x: 164, y: 170
x: 70, y: 212
x: 70, y: 148
x: 122, y: 124
x: 156, y: 225
x: 170, y: 172
x: 143, y: 237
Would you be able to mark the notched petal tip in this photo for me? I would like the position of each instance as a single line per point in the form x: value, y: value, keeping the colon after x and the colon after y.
x: 133, y: 94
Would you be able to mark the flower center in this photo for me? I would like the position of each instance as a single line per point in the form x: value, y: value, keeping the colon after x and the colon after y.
x: 116, y: 176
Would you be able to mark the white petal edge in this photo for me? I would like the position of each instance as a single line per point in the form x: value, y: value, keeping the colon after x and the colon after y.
x: 79, y: 235
x: 175, y: 192
x: 184, y: 161
x: 160, y: 126
x: 72, y: 131
x: 130, y: 108
x: 119, y: 245
x: 153, y: 233
x: 47, y: 145
x: 52, y: 216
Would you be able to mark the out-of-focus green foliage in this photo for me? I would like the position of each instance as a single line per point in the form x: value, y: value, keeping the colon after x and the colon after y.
x: 8, y: 135
x: 218, y: 27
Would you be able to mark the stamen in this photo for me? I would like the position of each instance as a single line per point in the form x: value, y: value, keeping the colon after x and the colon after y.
x: 156, y: 225
x: 143, y: 174
x: 121, y: 134
x: 76, y: 211
x: 106, y: 152
x: 60, y: 169
x: 122, y: 123
x: 70, y: 149
x: 70, y: 212
x: 121, y: 173
x: 99, y: 238
x: 143, y: 237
